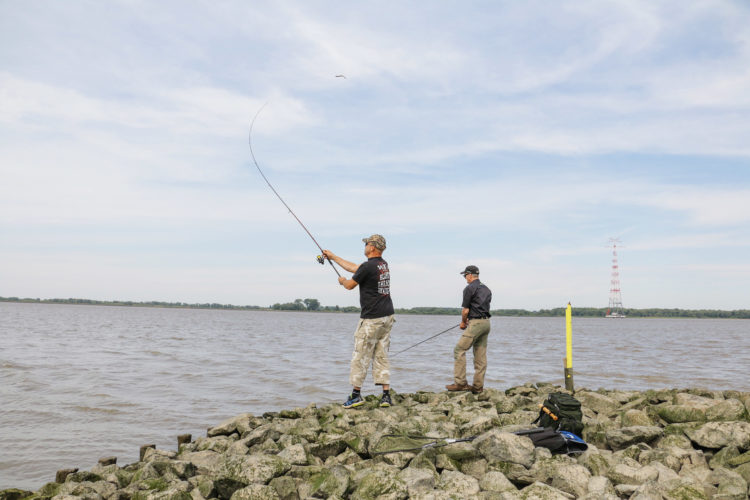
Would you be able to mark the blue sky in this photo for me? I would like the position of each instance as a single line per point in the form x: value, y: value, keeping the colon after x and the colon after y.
x: 516, y: 136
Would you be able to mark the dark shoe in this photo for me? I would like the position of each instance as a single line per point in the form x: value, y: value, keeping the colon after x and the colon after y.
x: 476, y: 390
x: 385, y: 401
x: 456, y: 387
x: 354, y: 401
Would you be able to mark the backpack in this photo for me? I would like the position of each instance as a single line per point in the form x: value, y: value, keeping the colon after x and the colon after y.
x: 556, y: 441
x: 561, y: 411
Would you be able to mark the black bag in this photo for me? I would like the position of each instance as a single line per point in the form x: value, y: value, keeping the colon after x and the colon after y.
x: 556, y: 441
x: 561, y: 411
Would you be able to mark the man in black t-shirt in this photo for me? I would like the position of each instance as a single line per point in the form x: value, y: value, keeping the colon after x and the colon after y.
x: 475, y: 321
x: 372, y: 339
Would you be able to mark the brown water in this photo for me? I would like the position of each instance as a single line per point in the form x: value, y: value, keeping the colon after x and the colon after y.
x: 78, y: 383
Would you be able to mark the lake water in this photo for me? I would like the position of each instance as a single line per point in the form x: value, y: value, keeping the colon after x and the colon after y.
x: 78, y: 383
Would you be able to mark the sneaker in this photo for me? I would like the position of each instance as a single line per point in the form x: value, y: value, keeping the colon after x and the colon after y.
x: 385, y: 401
x: 354, y: 401
x: 456, y: 387
x: 477, y: 390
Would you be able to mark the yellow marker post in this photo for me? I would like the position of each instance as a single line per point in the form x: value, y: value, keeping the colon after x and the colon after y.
x: 568, y: 360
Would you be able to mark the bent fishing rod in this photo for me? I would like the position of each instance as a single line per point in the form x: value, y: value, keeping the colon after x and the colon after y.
x: 321, y: 258
x: 425, y: 340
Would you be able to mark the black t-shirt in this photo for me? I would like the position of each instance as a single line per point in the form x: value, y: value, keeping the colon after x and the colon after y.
x: 477, y: 298
x: 374, y: 280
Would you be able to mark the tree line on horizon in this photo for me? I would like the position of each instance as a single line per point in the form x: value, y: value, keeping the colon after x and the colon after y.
x: 313, y: 305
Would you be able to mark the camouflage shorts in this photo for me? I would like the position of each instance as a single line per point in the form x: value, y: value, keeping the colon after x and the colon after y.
x: 372, y: 340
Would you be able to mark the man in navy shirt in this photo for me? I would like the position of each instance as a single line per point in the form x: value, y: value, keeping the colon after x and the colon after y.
x: 475, y: 321
x: 372, y: 339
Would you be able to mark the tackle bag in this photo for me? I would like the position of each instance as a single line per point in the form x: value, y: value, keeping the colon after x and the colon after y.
x: 561, y: 412
x: 557, y: 442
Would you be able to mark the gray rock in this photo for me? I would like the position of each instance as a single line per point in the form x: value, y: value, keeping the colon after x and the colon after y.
x: 285, y: 487
x: 294, y: 455
x: 378, y: 481
x: 694, y: 401
x: 601, y: 486
x: 632, y: 418
x: 681, y: 414
x: 327, y: 447
x: 716, y: 435
x: 399, y: 460
x: 731, y: 485
x: 331, y: 482
x: 458, y: 484
x: 219, y: 444
x: 744, y: 471
x: 565, y: 475
x: 729, y: 410
x: 663, y: 457
x: 723, y: 456
x: 683, y: 491
x: 541, y: 491
x: 496, y: 481
x: 417, y: 480
x: 647, y: 491
x: 618, y: 439
x: 497, y: 446
x: 461, y: 451
x: 230, y: 425
x: 632, y: 473
x: 205, y: 462
x: 251, y: 468
x: 255, y: 492
x: 596, y: 461
x: 739, y: 460
x: 601, y: 404
x: 474, y: 467
x: 678, y: 440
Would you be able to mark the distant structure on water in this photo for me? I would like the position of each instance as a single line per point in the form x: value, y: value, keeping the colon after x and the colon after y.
x: 614, y: 309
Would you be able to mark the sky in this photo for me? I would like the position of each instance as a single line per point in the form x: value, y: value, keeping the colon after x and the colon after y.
x: 516, y: 136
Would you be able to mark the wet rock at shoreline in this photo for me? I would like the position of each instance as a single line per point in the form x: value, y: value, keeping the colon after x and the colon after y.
x: 667, y: 444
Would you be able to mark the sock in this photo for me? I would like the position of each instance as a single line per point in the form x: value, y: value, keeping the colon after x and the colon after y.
x: 355, y: 392
x: 386, y: 391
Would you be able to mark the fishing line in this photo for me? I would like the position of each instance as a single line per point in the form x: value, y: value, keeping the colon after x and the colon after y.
x: 321, y: 259
x: 425, y: 340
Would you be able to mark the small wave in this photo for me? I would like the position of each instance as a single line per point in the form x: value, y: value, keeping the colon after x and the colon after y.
x: 9, y: 365
x: 89, y: 409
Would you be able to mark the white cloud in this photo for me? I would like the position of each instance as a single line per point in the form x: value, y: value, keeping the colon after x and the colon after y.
x: 491, y: 123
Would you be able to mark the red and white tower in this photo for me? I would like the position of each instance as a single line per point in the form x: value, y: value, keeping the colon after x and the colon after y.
x: 614, y: 309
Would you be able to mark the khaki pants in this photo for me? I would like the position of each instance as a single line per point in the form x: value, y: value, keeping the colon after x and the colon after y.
x: 474, y: 336
x: 372, y: 340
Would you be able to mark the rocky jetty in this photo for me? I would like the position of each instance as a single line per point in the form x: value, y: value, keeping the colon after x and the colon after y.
x: 663, y: 444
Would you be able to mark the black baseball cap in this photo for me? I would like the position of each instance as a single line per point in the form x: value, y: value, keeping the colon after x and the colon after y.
x: 470, y: 270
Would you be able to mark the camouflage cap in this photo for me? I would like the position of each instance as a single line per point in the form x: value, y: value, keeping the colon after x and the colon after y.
x: 470, y: 270
x: 376, y: 240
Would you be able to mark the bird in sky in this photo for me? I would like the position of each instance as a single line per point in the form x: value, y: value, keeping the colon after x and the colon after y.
x: 340, y: 76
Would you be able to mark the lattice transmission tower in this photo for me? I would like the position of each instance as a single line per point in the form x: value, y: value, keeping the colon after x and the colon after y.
x: 614, y: 309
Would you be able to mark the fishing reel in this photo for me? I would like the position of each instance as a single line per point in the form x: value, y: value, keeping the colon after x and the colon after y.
x: 321, y: 260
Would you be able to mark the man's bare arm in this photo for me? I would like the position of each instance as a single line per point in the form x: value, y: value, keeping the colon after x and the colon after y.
x: 345, y: 264
x: 464, y: 318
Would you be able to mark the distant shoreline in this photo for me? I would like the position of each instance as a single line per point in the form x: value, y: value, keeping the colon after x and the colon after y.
x: 582, y: 312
